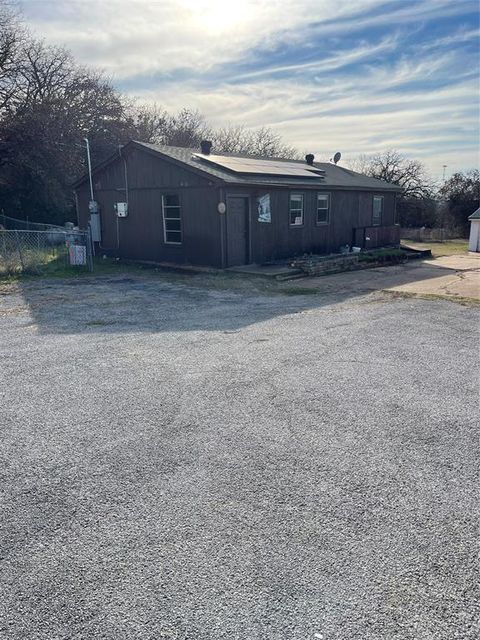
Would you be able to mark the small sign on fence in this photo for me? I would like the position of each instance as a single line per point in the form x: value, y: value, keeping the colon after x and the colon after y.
x: 77, y: 254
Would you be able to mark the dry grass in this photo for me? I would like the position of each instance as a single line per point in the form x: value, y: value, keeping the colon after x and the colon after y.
x: 448, y: 248
x: 464, y: 301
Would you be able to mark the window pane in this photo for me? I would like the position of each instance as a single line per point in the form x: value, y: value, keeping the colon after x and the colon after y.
x: 172, y: 212
x: 171, y: 201
x: 322, y: 215
x: 377, y: 205
x: 173, y: 236
x: 296, y: 218
x: 377, y: 209
x: 172, y: 222
x: 173, y: 225
x: 296, y: 209
x: 323, y: 207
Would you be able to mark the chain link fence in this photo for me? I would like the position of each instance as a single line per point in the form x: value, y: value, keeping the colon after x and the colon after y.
x: 51, y: 251
x: 7, y: 222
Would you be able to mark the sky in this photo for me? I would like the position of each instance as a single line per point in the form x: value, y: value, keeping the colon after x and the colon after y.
x: 356, y: 76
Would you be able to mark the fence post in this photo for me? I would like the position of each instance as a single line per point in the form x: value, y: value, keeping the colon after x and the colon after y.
x: 90, y: 248
x: 19, y: 250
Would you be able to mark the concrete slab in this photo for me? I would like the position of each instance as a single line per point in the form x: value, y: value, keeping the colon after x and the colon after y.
x: 270, y: 270
x: 461, y: 262
x: 456, y: 276
x: 464, y: 284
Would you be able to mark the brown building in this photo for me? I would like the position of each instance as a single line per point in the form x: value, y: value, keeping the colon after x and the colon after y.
x: 176, y: 205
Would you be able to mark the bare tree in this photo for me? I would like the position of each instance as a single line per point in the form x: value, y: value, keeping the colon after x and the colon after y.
x: 149, y: 122
x: 12, y: 37
x: 416, y: 205
x: 260, y: 142
x: 396, y: 168
x: 231, y: 139
x: 187, y: 128
x: 267, y: 143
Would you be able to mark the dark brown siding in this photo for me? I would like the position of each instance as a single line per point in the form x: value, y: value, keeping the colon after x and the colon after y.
x: 366, y: 209
x: 349, y: 210
x: 140, y: 236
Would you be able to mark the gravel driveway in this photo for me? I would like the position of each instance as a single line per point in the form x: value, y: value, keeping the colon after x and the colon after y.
x: 204, y: 465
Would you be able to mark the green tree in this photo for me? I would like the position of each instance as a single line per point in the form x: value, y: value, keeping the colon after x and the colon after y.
x: 461, y: 193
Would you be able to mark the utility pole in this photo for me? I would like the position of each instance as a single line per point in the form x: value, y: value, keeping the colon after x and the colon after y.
x: 89, y: 169
x: 444, y: 167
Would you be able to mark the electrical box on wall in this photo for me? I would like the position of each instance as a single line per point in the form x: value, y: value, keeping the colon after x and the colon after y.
x: 95, y: 227
x: 122, y: 209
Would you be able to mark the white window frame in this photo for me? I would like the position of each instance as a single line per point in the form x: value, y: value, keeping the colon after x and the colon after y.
x: 396, y: 220
x: 166, y: 218
x: 327, y: 209
x: 381, y: 198
x: 296, y: 224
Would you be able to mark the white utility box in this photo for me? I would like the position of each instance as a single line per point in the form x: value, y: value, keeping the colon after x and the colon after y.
x: 122, y: 209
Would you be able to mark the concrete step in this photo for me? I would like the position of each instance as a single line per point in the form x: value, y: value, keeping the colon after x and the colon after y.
x: 295, y: 274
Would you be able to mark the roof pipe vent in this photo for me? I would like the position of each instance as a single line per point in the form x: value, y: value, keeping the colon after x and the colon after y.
x: 206, y: 146
x: 309, y: 158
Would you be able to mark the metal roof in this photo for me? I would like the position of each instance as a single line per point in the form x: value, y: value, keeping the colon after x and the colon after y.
x: 475, y: 215
x: 333, y: 175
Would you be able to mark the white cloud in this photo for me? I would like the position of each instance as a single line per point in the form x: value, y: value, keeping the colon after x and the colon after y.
x: 332, y: 62
x: 317, y: 102
x: 357, y: 114
x: 132, y: 37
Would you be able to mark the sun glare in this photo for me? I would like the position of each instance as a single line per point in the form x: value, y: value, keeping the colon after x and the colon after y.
x: 219, y: 15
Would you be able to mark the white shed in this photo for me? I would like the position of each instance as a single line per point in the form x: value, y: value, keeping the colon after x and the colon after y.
x: 474, y: 242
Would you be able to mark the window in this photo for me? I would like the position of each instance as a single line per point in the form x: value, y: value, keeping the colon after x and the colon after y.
x: 323, y: 208
x: 377, y: 211
x: 172, y: 222
x: 296, y: 210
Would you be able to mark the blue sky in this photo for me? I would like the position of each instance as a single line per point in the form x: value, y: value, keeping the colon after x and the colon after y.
x: 358, y: 76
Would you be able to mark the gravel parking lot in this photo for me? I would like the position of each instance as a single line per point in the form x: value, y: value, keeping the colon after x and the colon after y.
x: 180, y: 463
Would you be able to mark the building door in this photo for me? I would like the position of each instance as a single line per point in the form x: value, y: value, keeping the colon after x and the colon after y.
x: 237, y: 230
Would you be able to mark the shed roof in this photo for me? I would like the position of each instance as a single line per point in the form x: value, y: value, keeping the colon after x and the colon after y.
x: 475, y: 215
x: 323, y: 174
x: 333, y: 174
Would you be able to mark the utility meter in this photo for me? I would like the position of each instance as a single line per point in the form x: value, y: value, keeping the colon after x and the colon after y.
x: 122, y: 209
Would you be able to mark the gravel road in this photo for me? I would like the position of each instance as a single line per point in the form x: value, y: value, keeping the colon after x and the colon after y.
x: 186, y: 464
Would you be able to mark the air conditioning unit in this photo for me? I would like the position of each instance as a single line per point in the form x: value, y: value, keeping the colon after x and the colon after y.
x: 122, y: 209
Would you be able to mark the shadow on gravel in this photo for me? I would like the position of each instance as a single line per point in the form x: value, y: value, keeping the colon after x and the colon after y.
x: 144, y: 304
x: 124, y: 305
